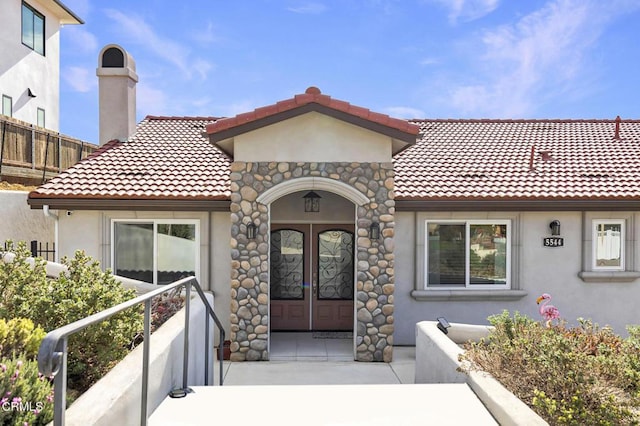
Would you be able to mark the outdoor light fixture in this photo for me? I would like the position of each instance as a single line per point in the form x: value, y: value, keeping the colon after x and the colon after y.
x: 30, y: 93
x: 374, y: 231
x: 251, y: 231
x: 555, y: 227
x: 311, y: 202
x: 443, y: 324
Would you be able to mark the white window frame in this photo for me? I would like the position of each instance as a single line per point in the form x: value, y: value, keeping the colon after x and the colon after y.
x: 157, y: 222
x: 623, y: 237
x: 468, y: 223
x: 7, y: 101
x: 41, y: 113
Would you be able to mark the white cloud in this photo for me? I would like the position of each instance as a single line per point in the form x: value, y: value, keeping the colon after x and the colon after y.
x: 404, y: 112
x: 151, y: 99
x: 80, y: 79
x: 168, y: 50
x: 309, y: 8
x: 467, y: 10
x: 205, y: 35
x: 80, y: 40
x: 429, y: 61
x: 542, y: 56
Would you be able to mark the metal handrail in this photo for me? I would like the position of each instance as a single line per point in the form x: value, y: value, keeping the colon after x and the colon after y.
x: 52, y: 355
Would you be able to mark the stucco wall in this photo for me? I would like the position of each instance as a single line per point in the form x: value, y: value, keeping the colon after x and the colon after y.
x: 312, y: 137
x: 21, y: 68
x: 91, y: 231
x: 19, y: 223
x: 538, y: 270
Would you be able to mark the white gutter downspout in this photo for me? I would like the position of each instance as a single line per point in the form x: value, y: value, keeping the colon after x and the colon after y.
x: 48, y: 213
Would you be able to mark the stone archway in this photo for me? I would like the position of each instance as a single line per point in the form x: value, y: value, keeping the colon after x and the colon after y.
x: 253, y: 187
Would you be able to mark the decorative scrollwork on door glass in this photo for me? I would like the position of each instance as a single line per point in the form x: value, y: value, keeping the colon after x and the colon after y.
x: 335, y: 265
x: 287, y: 265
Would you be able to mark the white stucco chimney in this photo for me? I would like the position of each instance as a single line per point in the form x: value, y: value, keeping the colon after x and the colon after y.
x: 117, y: 80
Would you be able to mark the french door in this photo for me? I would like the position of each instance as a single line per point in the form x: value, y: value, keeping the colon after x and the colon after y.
x: 312, y: 277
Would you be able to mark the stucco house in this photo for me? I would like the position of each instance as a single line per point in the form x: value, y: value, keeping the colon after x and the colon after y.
x: 315, y: 214
x: 30, y: 60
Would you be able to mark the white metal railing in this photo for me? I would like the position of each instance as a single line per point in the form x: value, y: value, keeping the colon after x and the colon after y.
x: 52, y: 355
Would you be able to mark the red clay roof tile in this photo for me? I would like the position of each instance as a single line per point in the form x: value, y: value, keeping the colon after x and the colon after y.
x: 172, y: 158
x: 167, y: 158
x: 312, y: 95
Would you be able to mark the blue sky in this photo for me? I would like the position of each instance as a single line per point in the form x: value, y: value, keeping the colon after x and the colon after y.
x: 405, y: 58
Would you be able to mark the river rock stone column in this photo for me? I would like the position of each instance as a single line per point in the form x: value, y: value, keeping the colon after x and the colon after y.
x: 250, y: 258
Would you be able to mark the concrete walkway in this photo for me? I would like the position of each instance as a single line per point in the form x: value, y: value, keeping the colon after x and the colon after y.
x: 330, y: 392
x: 400, y: 371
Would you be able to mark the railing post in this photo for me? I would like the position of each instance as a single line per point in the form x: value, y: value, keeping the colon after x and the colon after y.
x: 207, y: 342
x: 221, y: 356
x: 145, y: 362
x: 60, y: 384
x: 185, y: 364
x: 34, y: 248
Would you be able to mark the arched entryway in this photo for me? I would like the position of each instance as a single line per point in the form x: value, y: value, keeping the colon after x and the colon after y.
x: 312, y: 275
x: 367, y: 189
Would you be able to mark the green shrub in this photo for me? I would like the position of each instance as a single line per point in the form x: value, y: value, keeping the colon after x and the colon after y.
x: 19, y: 336
x: 51, y: 303
x: 584, y: 375
x: 27, y: 396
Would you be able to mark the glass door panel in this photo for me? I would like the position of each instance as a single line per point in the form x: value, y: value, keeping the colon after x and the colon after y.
x: 287, y: 265
x: 335, y: 265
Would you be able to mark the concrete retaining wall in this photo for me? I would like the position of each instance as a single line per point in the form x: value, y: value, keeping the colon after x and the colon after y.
x: 115, y: 399
x: 437, y: 362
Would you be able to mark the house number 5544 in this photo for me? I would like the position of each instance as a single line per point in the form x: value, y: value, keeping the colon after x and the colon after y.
x: 553, y: 242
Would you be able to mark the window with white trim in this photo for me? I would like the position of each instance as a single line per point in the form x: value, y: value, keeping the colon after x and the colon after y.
x: 7, y: 106
x: 32, y: 28
x: 608, y: 244
x: 40, y: 118
x: 472, y: 254
x: 156, y: 251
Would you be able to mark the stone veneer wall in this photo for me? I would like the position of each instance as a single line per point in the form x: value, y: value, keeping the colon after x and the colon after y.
x: 250, y: 258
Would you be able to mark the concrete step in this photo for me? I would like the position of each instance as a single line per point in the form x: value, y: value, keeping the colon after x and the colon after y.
x: 370, y: 405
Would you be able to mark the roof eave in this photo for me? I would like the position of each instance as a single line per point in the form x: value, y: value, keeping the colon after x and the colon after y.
x: 408, y: 138
x: 514, y: 204
x: 66, y: 15
x: 55, y: 203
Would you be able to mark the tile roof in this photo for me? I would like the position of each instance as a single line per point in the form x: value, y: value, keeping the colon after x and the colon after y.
x: 168, y: 158
x: 453, y: 160
x: 520, y: 160
x: 312, y: 96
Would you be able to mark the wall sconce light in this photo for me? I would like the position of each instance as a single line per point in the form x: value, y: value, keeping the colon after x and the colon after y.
x: 311, y: 202
x: 555, y: 227
x: 443, y: 324
x: 30, y: 93
x: 374, y: 231
x: 251, y: 231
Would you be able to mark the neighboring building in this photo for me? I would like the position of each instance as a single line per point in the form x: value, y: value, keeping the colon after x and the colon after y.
x: 414, y: 220
x: 30, y: 60
x: 32, y: 149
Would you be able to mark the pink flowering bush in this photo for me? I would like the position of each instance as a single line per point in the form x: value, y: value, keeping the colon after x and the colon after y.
x: 26, y: 396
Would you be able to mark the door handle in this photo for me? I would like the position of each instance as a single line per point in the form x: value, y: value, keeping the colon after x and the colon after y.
x: 314, y: 284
